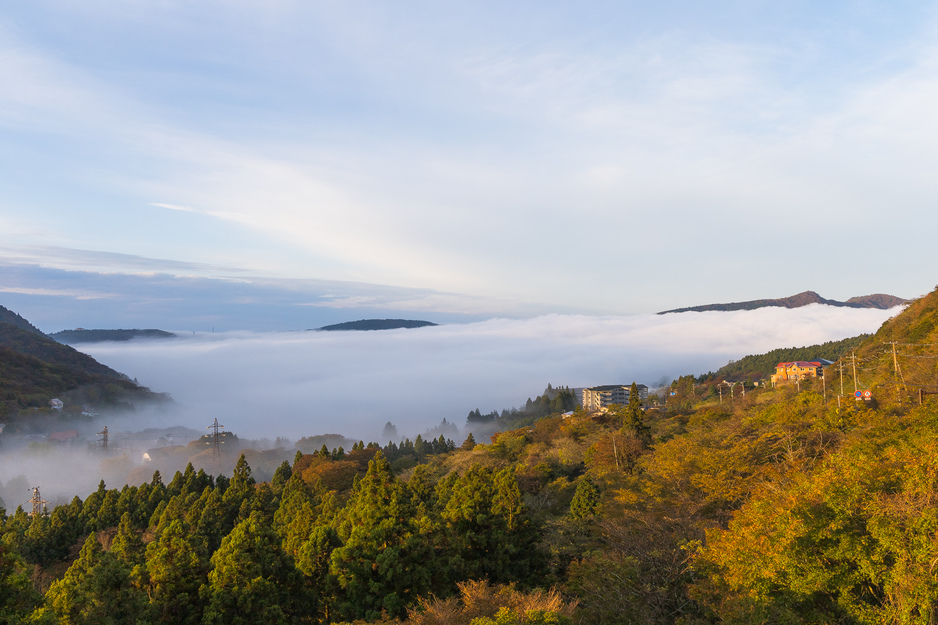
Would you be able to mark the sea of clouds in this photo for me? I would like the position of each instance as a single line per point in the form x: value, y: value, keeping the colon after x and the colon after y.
x: 293, y: 384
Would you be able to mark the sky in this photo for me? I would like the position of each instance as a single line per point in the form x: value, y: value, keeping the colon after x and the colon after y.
x: 282, y: 165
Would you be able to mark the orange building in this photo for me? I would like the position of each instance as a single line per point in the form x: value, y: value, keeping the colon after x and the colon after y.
x: 797, y: 370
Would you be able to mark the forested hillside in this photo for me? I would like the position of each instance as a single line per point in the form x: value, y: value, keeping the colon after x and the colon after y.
x: 761, y: 366
x: 377, y: 324
x: 777, y: 506
x: 35, y: 369
x: 12, y: 318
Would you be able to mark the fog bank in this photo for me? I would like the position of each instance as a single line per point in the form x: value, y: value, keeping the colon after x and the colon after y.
x: 303, y: 383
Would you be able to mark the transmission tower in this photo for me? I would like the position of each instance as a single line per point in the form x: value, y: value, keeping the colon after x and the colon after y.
x: 39, y: 504
x: 216, y: 433
x: 103, y: 435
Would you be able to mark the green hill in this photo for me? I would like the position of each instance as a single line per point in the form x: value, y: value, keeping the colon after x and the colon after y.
x: 10, y: 317
x: 758, y: 366
x: 45, y: 349
x: 35, y: 369
x: 902, y: 356
x: 378, y: 324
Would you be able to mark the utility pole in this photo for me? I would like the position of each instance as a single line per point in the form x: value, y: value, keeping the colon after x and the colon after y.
x: 841, y: 377
x: 856, y: 386
x: 895, y: 364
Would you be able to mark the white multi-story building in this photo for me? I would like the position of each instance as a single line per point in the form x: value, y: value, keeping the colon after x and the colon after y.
x: 598, y: 397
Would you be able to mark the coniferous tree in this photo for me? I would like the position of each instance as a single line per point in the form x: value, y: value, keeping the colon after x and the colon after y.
x: 585, y: 499
x: 252, y: 580
x: 17, y: 595
x: 469, y: 443
x: 384, y: 563
x: 488, y: 531
x: 634, y: 418
x: 98, y: 589
x: 213, y: 523
x: 177, y: 563
x: 127, y: 544
x: 281, y: 477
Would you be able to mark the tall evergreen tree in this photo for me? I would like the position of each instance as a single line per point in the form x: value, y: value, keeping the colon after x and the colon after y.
x: 585, y: 499
x: 634, y: 417
x: 98, y: 589
x: 17, y: 595
x: 252, y: 580
x: 488, y: 529
x: 384, y: 563
x: 177, y: 562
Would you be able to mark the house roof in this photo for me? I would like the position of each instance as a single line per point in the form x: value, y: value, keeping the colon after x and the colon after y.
x: 798, y: 363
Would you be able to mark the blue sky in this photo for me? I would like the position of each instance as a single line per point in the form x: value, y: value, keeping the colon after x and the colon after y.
x: 163, y: 163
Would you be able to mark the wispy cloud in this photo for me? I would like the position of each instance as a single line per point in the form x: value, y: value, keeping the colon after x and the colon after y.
x: 144, y: 292
x: 108, y: 262
x: 77, y: 294
x: 488, y: 154
x: 174, y: 207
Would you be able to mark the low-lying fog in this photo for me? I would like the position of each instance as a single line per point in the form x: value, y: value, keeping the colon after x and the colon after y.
x: 294, y: 384
x: 301, y: 383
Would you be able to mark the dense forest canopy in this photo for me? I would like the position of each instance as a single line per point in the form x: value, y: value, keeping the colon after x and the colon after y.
x: 795, y: 504
x: 761, y: 366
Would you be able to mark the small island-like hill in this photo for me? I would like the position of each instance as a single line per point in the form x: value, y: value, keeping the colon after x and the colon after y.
x: 378, y: 324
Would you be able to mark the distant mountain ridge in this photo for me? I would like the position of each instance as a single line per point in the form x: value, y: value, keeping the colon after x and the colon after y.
x: 377, y: 324
x: 881, y: 301
x: 81, y: 335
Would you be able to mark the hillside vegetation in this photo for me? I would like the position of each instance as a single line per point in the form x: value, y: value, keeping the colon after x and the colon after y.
x: 779, y: 506
x: 763, y: 365
x: 35, y: 369
x: 12, y: 318
x: 377, y: 324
